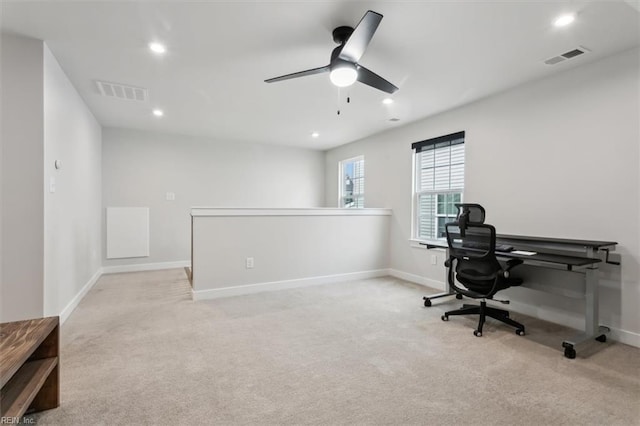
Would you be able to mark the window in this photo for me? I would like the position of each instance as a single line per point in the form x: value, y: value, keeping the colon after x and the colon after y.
x: 352, y: 182
x: 439, y: 183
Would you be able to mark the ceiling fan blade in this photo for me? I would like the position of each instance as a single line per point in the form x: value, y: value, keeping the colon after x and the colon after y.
x: 374, y: 80
x: 299, y: 74
x: 359, y: 40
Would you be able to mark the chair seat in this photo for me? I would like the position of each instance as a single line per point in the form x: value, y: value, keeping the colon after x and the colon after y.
x: 478, y: 290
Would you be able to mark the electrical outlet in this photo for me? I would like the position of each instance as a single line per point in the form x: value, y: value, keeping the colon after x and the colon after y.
x: 249, y: 262
x: 434, y: 259
x: 171, y: 196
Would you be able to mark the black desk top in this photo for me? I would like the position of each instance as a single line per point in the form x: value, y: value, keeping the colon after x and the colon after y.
x: 555, y: 241
x: 538, y: 257
x: 561, y: 259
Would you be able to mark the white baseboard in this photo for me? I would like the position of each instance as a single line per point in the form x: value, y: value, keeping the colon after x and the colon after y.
x: 417, y: 279
x: 145, y: 267
x: 627, y: 337
x: 573, y: 321
x: 241, y: 290
x: 66, y: 312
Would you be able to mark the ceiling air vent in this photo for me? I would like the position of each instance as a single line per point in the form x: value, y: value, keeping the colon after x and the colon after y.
x: 121, y: 91
x: 567, y: 55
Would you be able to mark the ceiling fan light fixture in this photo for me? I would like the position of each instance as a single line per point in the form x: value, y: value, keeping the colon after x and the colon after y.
x: 344, y: 75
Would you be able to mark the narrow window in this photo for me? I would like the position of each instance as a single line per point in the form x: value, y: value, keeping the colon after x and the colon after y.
x: 351, y: 174
x: 438, y: 184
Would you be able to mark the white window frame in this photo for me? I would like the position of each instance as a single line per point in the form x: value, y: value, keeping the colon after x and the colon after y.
x: 341, y: 183
x: 418, y: 192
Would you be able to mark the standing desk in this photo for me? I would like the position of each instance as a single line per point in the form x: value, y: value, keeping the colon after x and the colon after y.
x: 582, y: 256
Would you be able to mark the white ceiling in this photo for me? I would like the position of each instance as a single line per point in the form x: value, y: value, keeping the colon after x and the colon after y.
x: 210, y: 83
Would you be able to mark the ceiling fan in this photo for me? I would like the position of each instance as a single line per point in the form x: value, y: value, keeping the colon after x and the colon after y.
x: 344, y: 69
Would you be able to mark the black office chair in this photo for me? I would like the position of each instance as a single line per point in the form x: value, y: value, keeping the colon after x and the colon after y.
x: 472, y: 262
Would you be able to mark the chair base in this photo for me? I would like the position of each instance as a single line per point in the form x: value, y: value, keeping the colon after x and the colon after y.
x: 485, y: 311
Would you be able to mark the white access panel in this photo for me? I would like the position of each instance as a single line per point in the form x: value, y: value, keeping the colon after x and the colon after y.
x: 127, y: 232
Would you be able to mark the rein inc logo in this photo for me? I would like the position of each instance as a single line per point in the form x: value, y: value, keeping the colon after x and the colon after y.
x: 17, y: 420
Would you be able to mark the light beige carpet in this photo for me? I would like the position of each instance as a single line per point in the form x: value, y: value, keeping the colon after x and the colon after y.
x: 138, y: 351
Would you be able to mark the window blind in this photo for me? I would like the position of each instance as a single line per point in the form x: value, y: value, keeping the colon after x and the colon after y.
x: 439, y: 183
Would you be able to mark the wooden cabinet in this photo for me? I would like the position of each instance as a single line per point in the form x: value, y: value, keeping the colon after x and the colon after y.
x: 29, y: 368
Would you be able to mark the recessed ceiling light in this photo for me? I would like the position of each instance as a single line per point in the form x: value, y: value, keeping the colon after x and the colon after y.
x: 564, y: 20
x: 158, y: 112
x: 315, y: 134
x: 387, y: 101
x: 157, y: 48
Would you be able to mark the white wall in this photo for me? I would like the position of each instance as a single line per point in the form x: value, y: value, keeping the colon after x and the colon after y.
x: 289, y: 247
x: 556, y: 157
x: 72, y: 214
x: 22, y: 177
x: 139, y: 168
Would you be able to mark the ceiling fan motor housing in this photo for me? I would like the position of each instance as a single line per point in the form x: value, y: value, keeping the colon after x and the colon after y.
x: 341, y: 34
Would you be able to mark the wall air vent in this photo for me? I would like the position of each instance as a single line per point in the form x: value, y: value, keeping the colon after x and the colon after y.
x: 580, y: 50
x: 122, y: 91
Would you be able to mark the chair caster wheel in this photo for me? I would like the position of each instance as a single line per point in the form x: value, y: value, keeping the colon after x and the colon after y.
x: 602, y: 338
x: 477, y: 333
x: 459, y: 296
x: 427, y: 302
x: 520, y: 332
x: 445, y: 318
x: 569, y: 352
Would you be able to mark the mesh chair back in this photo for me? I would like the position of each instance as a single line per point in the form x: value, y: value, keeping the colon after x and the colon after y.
x: 469, y: 214
x: 474, y: 250
x: 475, y: 213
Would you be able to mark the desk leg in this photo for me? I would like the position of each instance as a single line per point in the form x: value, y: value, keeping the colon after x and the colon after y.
x: 592, y: 330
